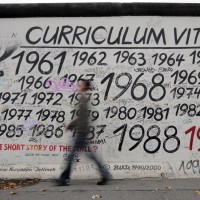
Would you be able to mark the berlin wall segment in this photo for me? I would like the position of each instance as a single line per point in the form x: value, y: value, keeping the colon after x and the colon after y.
x: 144, y: 103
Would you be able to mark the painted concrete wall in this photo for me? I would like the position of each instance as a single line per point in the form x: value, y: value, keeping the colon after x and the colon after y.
x: 144, y: 103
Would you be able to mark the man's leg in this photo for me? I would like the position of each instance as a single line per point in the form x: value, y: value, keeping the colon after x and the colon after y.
x: 66, y: 173
x: 105, y: 175
x: 65, y: 176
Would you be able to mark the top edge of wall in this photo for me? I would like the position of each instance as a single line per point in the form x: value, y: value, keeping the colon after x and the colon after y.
x: 98, y: 9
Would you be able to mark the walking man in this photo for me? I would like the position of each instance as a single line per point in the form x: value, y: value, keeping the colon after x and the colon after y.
x: 82, y: 129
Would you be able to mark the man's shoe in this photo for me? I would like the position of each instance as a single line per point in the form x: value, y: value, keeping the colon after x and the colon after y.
x: 62, y: 182
x: 103, y: 181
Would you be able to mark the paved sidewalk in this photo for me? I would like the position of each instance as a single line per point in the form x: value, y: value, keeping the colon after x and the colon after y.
x: 135, y: 189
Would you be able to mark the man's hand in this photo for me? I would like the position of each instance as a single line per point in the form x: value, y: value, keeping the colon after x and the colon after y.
x: 66, y: 127
x: 71, y: 125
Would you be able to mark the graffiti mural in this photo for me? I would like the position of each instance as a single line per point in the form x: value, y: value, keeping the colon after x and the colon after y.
x: 144, y: 99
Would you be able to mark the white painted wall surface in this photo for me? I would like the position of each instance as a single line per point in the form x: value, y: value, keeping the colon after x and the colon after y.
x: 159, y: 108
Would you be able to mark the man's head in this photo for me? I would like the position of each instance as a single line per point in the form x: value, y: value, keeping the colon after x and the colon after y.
x: 83, y: 85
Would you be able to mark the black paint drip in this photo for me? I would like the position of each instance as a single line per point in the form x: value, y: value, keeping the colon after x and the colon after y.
x: 6, y: 54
